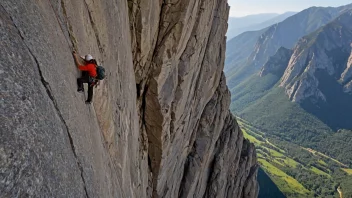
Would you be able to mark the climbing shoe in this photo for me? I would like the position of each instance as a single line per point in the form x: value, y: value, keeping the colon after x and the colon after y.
x: 81, y: 90
x: 88, y: 102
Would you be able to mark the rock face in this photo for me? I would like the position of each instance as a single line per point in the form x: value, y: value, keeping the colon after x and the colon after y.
x: 277, y: 64
x: 318, y: 74
x: 346, y: 76
x: 159, y: 125
x: 288, y: 32
x: 326, y: 50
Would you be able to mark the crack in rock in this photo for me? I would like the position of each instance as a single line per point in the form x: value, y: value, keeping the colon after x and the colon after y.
x: 48, y: 91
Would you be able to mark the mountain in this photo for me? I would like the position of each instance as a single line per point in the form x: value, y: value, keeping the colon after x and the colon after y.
x: 238, y: 48
x: 284, y: 34
x: 319, y: 73
x: 238, y: 25
x: 301, y: 102
x: 276, y: 64
x: 270, y: 22
x: 154, y: 129
x: 303, y: 85
x: 244, y: 21
x: 235, y: 29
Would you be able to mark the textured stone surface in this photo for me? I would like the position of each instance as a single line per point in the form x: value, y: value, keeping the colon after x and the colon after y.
x: 179, y: 78
x: 159, y: 124
x: 68, y: 149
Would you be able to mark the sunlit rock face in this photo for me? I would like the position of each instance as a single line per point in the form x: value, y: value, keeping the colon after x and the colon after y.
x: 159, y: 125
x: 324, y: 51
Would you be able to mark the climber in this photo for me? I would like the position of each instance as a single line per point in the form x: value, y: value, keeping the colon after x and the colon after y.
x: 89, y: 74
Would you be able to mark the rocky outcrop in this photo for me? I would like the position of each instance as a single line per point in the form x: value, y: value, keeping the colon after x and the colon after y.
x: 346, y: 76
x: 277, y: 64
x: 326, y: 50
x: 159, y: 125
x: 179, y: 58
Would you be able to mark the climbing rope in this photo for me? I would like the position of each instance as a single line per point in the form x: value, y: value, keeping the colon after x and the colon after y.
x: 71, y: 45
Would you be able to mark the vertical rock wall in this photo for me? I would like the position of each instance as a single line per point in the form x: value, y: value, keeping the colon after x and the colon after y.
x: 159, y: 124
x: 178, y: 49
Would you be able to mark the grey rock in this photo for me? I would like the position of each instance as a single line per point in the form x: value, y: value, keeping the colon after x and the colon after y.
x: 89, y: 150
x: 159, y: 125
x: 179, y: 79
x: 346, y: 76
x: 328, y: 50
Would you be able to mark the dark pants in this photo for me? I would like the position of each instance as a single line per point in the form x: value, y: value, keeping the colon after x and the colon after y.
x: 86, y: 79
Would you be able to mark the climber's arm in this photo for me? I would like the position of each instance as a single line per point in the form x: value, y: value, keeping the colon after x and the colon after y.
x: 75, y: 56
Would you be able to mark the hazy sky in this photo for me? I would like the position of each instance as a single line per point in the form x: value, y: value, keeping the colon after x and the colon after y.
x: 247, y: 7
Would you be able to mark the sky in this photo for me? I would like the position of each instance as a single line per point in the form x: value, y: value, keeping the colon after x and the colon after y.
x: 247, y: 7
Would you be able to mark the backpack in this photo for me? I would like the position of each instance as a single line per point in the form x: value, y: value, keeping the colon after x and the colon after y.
x: 100, y: 73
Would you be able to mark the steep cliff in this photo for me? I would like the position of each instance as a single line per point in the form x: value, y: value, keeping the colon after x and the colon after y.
x: 159, y: 125
x: 326, y: 50
x: 277, y: 63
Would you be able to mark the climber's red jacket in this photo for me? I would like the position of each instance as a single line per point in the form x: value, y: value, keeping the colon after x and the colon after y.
x: 90, y: 68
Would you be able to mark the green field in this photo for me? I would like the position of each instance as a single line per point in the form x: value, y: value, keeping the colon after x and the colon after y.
x: 322, y: 162
x: 268, y: 158
x: 348, y: 171
x: 286, y: 183
x: 319, y: 172
x: 297, y: 171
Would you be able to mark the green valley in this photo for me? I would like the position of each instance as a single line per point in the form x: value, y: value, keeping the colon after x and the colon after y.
x: 291, y: 89
x: 297, y: 171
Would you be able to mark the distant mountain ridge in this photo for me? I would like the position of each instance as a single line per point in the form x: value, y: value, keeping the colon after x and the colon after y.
x: 287, y: 33
x: 270, y: 22
x: 284, y: 34
x: 243, y: 44
x: 259, y: 25
x: 238, y: 25
x: 238, y: 49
